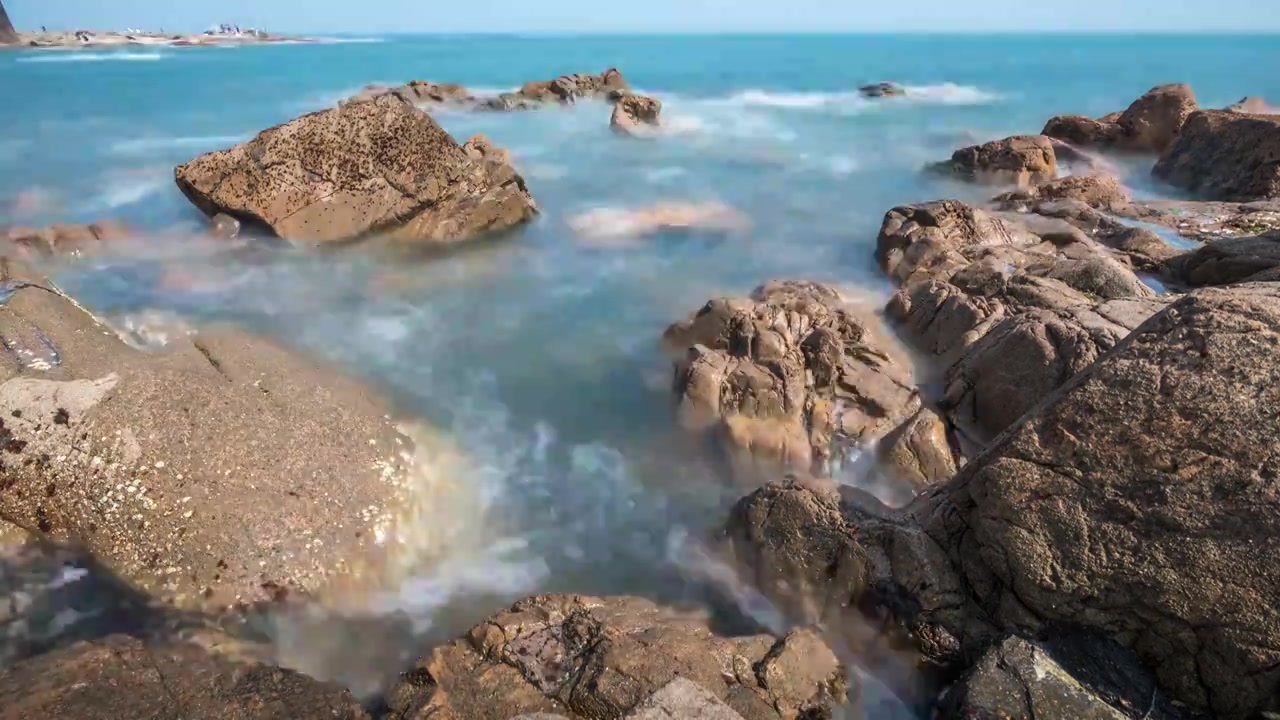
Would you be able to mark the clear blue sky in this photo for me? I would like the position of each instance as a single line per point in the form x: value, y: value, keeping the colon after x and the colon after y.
x: 386, y: 16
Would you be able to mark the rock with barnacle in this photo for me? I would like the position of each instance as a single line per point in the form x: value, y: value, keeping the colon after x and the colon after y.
x: 375, y: 166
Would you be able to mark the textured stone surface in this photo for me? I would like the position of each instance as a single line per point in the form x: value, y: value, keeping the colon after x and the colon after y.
x: 564, y: 90
x: 791, y: 376
x: 1150, y: 124
x: 683, y: 699
x: 1223, y: 155
x: 222, y: 464
x: 584, y: 657
x: 1097, y: 191
x: 124, y: 677
x: 375, y: 166
x: 1019, y: 160
x: 1228, y: 261
x: 635, y: 114
x: 918, y: 242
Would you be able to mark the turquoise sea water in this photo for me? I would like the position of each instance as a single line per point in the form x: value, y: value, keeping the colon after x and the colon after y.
x: 538, y: 354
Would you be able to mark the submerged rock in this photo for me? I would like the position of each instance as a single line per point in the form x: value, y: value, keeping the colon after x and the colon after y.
x: 1020, y: 160
x: 1223, y: 155
x: 126, y: 677
x: 223, y: 467
x: 882, y: 89
x: 793, y: 377
x: 635, y: 114
x: 65, y: 239
x: 379, y: 166
x: 1150, y: 124
x: 584, y: 657
x: 618, y: 226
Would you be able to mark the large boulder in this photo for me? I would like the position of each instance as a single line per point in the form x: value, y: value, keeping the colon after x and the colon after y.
x: 125, y: 677
x: 1223, y: 155
x: 1020, y: 160
x: 584, y: 657
x: 222, y: 467
x: 791, y: 377
x: 1229, y: 261
x: 1150, y: 124
x: 635, y: 114
x: 378, y: 166
x: 917, y: 242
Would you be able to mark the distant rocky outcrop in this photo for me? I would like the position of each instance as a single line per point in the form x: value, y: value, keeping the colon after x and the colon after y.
x: 564, y: 90
x: 1021, y: 160
x: 636, y: 115
x: 882, y: 89
x: 1223, y: 155
x: 1149, y: 125
x: 580, y: 657
x: 378, y: 166
x: 7, y: 33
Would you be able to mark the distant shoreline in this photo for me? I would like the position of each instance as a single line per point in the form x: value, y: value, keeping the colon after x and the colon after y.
x: 77, y: 39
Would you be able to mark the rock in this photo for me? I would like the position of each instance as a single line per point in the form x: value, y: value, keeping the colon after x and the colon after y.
x: 125, y: 677
x: 616, y: 226
x: 918, y: 451
x: 1150, y: 124
x: 635, y: 114
x: 1161, y: 453
x: 224, y: 226
x: 1019, y: 678
x: 882, y: 89
x: 564, y: 90
x: 683, y: 700
x: 585, y: 657
x: 1102, y: 192
x: 419, y: 92
x: 1223, y: 155
x: 919, y: 241
x: 65, y: 239
x: 1254, y: 106
x: 1019, y: 160
x: 1205, y: 221
x: 211, y: 468
x: 793, y: 377
x: 1229, y: 261
x: 379, y: 166
x: 480, y: 147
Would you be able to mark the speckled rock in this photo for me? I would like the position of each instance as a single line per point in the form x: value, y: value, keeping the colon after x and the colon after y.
x: 124, y: 677
x: 223, y: 466
x: 635, y: 114
x: 375, y: 167
x: 792, y: 377
x: 1150, y: 124
x: 1021, y: 160
x: 585, y: 657
x: 1223, y: 155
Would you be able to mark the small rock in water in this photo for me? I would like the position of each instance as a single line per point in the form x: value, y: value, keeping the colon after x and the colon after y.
x: 635, y: 115
x: 882, y: 89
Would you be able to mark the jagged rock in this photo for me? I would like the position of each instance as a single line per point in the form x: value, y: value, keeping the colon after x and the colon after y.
x: 563, y: 90
x: 1102, y: 192
x: 211, y: 468
x: 791, y: 377
x: 1229, y: 261
x: 634, y: 114
x: 1253, y: 105
x: 1223, y: 155
x: 1150, y: 124
x: 125, y: 677
x: 920, y: 241
x: 379, y: 166
x: 882, y: 89
x: 65, y: 239
x: 585, y: 657
x: 919, y: 451
x: 419, y: 92
x: 1019, y: 160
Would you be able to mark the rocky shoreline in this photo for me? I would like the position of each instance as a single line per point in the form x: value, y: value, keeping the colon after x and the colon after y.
x: 1080, y: 417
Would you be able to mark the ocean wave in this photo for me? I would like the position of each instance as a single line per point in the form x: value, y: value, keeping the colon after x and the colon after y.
x: 127, y: 187
x: 951, y: 94
x: 852, y: 100
x: 138, y: 146
x: 74, y: 56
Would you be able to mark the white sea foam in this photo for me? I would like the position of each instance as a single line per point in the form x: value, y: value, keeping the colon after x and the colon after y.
x: 141, y: 146
x: 130, y: 186
x: 951, y: 94
x: 73, y: 56
x: 851, y: 101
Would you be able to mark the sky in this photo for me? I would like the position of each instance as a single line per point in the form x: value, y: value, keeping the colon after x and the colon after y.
x: 534, y: 16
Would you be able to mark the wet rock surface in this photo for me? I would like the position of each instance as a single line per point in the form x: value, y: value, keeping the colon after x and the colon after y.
x: 564, y: 90
x: 635, y: 114
x: 1150, y: 124
x: 586, y: 657
x: 126, y: 677
x: 63, y: 239
x: 376, y: 166
x: 221, y: 467
x: 1222, y: 155
x: 1020, y: 160
x: 1229, y: 261
x: 882, y: 89
x: 790, y: 377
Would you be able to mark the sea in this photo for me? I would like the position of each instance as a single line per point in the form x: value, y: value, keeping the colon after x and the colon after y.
x: 535, y: 357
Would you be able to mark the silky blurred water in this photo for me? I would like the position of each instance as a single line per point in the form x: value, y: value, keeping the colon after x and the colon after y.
x: 535, y: 356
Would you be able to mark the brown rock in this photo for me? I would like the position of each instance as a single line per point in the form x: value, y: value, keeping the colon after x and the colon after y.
x: 212, y: 465
x: 564, y: 90
x: 1150, y: 124
x: 480, y: 147
x: 793, y: 377
x: 1229, y: 261
x: 882, y: 89
x: 1224, y: 155
x: 124, y: 677
x: 921, y: 241
x: 65, y: 239
x: 634, y: 114
x: 379, y: 166
x: 1103, y: 192
x: 585, y: 657
x: 918, y: 451
x: 1019, y: 160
